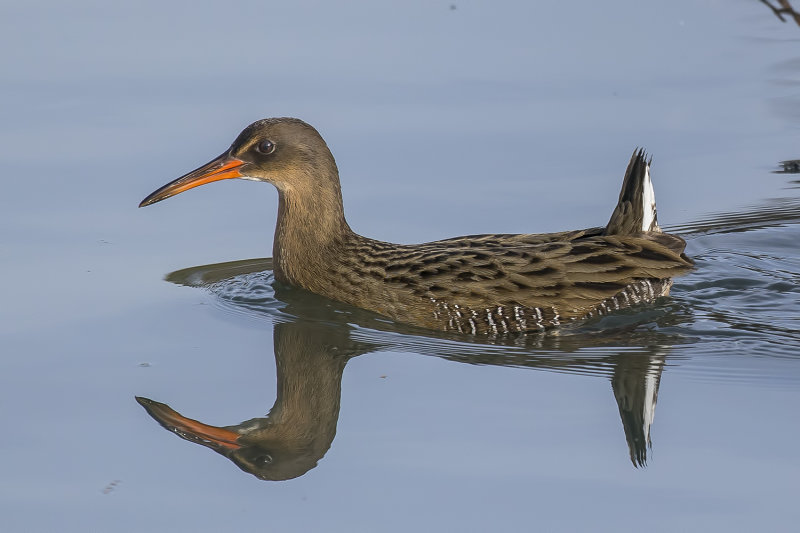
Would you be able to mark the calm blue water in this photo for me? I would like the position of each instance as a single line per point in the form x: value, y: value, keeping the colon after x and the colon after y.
x: 446, y: 119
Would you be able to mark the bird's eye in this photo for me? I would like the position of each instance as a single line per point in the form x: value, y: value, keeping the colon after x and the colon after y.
x: 263, y: 459
x: 266, y: 147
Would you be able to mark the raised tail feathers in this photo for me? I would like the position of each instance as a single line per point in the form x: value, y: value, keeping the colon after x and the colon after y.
x: 636, y: 209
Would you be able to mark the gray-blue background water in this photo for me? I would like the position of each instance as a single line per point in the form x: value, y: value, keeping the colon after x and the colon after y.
x: 446, y: 118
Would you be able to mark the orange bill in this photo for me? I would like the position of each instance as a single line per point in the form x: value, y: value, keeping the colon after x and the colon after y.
x: 214, y: 437
x: 222, y: 168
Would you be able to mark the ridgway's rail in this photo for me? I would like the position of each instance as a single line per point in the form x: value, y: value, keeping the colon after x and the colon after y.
x: 479, y: 284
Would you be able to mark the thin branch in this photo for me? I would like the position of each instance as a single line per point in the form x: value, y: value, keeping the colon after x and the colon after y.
x: 785, y: 9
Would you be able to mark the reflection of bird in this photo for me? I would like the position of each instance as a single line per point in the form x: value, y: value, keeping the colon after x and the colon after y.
x: 301, y: 425
x: 310, y: 357
x: 635, y: 385
x: 474, y: 284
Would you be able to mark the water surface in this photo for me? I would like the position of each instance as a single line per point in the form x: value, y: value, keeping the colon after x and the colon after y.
x: 445, y: 119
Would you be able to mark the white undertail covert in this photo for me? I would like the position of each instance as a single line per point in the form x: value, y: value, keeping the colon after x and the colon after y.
x: 649, y: 219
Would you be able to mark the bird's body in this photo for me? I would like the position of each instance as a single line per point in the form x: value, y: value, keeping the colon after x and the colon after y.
x: 476, y: 284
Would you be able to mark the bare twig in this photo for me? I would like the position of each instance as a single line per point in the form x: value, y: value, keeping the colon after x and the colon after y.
x: 785, y: 9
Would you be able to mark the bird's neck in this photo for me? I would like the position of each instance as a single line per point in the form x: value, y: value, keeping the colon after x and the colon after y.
x: 310, y: 230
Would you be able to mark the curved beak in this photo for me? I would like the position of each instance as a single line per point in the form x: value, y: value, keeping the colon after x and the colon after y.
x: 219, y: 439
x: 221, y: 168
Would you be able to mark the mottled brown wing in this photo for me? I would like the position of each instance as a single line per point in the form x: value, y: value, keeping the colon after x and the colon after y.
x: 573, y: 271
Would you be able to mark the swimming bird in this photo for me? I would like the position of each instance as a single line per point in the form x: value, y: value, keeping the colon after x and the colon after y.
x: 477, y: 284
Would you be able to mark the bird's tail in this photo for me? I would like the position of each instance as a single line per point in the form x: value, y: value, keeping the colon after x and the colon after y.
x: 636, y: 209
